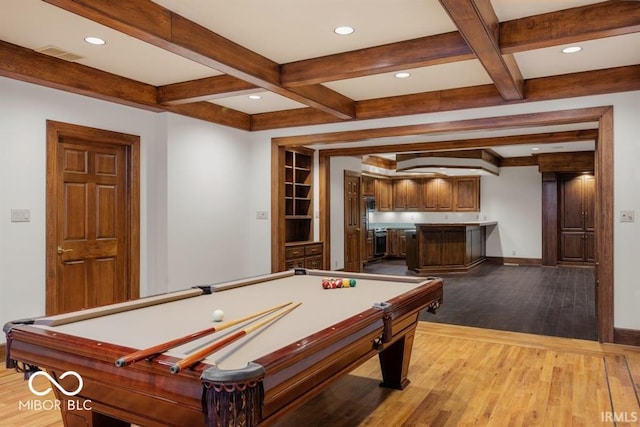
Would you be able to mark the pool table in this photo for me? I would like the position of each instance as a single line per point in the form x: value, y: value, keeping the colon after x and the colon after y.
x: 255, y: 380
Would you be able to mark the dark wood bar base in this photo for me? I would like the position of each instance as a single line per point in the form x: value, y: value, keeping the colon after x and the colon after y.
x: 450, y: 248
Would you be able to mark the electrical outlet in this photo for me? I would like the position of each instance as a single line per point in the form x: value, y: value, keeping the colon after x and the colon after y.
x: 20, y: 215
x: 627, y: 216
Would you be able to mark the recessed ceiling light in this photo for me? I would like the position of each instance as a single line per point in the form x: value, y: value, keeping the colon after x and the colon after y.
x: 402, y: 75
x: 344, y: 30
x: 571, y: 49
x: 95, y: 40
x: 535, y: 149
x: 255, y: 97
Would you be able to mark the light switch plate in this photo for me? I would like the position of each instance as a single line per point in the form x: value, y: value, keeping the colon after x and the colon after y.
x: 262, y: 215
x: 627, y: 216
x: 20, y: 215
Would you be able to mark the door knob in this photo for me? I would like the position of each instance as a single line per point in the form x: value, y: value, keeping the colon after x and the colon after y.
x: 62, y: 250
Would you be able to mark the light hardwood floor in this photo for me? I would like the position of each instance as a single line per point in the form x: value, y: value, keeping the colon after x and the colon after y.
x: 460, y: 376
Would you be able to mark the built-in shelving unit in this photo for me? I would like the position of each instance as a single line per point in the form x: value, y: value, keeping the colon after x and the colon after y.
x: 298, y: 196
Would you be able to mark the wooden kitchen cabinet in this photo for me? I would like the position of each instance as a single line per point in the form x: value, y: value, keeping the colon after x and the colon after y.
x: 368, y: 186
x: 383, y: 195
x: 406, y: 194
x: 397, y: 242
x: 369, y: 246
x: 437, y: 194
x: 467, y: 194
x: 304, y: 255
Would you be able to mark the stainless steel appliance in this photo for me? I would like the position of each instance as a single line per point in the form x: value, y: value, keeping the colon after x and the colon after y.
x: 379, y: 241
x: 370, y: 203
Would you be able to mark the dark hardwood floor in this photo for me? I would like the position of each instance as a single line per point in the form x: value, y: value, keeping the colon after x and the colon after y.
x: 554, y: 301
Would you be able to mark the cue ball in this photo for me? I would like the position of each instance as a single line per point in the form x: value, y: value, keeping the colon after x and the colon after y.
x: 218, y: 315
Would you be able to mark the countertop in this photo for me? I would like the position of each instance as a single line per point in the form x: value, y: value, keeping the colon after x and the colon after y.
x: 457, y: 223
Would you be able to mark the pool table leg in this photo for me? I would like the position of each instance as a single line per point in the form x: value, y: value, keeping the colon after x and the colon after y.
x: 394, y: 361
x: 233, y: 398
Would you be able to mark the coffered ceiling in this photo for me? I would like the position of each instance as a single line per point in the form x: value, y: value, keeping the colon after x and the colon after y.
x: 204, y: 58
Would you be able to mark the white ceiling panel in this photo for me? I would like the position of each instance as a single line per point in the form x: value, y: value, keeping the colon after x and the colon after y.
x: 425, y: 79
x: 268, y: 101
x: 507, y: 10
x: 291, y: 30
x: 595, y: 54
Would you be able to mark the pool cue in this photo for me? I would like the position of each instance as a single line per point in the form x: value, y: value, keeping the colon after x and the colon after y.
x: 214, y: 346
x: 161, y: 348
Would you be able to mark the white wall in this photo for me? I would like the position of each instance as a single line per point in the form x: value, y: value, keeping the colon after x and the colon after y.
x: 209, y: 203
x: 514, y: 199
x: 24, y: 109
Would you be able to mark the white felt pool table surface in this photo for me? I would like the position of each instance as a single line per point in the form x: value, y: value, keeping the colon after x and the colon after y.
x: 321, y: 308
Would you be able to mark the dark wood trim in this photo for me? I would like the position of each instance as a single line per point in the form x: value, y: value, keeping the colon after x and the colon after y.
x: 420, y: 52
x: 590, y: 22
x: 558, y: 117
x: 3, y: 352
x: 581, y: 161
x: 540, y: 138
x: 550, y: 218
x: 324, y: 196
x: 627, y: 336
x: 518, y: 161
x: 605, y: 217
x: 612, y: 80
x: 278, y: 233
x: 24, y: 64
x: 477, y: 22
x: 204, y: 89
x: 56, y: 130
x: 379, y: 162
x: 513, y: 260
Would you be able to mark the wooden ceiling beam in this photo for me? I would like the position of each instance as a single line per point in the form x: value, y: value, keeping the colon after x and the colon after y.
x: 479, y: 25
x: 421, y: 52
x: 152, y: 23
x: 560, y: 117
x: 612, y: 80
x: 26, y: 65
x: 204, y: 89
x: 594, y: 21
x: 538, y: 138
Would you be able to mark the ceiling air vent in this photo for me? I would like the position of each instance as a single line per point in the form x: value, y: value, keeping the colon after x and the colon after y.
x: 58, y: 53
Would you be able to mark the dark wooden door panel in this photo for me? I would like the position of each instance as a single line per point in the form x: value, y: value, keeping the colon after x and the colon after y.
x: 454, y: 248
x: 577, y: 218
x: 92, y: 217
x: 352, y: 229
x: 572, y: 218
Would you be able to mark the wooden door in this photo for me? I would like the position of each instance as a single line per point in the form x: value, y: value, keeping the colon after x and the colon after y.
x: 91, y: 247
x: 577, y: 219
x: 352, y: 228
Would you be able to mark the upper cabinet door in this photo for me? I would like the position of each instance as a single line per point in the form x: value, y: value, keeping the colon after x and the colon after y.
x: 467, y: 194
x: 437, y: 194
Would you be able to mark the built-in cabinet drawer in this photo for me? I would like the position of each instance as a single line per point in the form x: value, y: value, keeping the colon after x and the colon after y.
x: 304, y: 255
x: 313, y: 249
